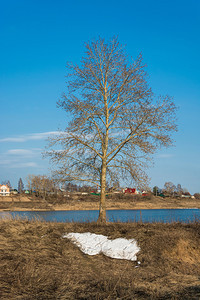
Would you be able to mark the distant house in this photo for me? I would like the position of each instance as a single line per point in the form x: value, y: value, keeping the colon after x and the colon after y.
x: 14, y: 191
x: 4, y: 190
x: 130, y: 191
x: 144, y: 193
x: 186, y: 195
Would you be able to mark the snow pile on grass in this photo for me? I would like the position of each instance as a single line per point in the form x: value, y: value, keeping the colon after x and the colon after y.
x: 93, y: 244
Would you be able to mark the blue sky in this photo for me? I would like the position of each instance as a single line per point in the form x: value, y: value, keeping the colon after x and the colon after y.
x: 37, y: 38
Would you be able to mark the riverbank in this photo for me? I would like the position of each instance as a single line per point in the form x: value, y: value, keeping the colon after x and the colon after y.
x: 25, y: 203
x: 37, y: 263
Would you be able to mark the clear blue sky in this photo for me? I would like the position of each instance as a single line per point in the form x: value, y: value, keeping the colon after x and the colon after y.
x: 37, y: 38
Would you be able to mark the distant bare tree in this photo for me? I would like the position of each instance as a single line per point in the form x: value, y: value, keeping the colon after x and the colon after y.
x: 116, y: 122
x: 185, y: 191
x: 41, y: 184
x: 6, y: 182
x: 169, y: 188
x: 179, y: 189
x: 197, y: 195
x: 155, y: 190
x: 20, y: 186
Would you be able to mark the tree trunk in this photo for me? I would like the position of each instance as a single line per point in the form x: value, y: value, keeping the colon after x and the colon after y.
x: 102, y: 205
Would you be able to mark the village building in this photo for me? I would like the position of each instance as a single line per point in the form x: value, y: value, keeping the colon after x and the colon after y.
x: 4, y: 190
x: 130, y: 191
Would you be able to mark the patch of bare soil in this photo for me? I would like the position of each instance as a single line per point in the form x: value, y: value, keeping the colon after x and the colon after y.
x: 37, y: 263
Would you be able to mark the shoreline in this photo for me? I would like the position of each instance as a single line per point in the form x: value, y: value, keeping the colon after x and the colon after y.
x: 89, y: 209
x: 48, y: 210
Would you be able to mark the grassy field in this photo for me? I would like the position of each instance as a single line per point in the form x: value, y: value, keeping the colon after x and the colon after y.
x: 37, y: 263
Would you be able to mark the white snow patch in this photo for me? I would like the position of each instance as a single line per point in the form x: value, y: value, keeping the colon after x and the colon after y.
x: 92, y: 244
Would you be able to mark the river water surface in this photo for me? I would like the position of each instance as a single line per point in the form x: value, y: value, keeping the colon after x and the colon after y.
x: 130, y: 215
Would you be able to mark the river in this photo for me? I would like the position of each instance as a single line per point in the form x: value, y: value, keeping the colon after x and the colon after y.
x: 143, y: 215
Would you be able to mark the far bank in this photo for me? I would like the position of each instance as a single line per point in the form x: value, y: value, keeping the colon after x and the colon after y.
x: 91, y: 202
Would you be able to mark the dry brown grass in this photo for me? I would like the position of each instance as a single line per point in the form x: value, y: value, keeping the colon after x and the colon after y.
x: 23, y: 202
x: 37, y: 263
x: 91, y: 202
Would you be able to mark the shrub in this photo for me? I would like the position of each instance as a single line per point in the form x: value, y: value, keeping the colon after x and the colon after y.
x: 197, y: 195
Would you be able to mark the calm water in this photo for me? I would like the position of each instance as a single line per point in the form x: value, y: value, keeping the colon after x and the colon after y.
x: 144, y: 215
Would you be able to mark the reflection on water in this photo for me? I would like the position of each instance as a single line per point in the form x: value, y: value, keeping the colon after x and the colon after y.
x: 130, y: 215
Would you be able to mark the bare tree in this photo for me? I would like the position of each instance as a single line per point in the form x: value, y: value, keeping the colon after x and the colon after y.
x: 155, y: 190
x: 197, y: 195
x: 6, y: 182
x: 41, y: 184
x: 116, y: 122
x: 179, y: 189
x: 20, y: 186
x: 169, y: 188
